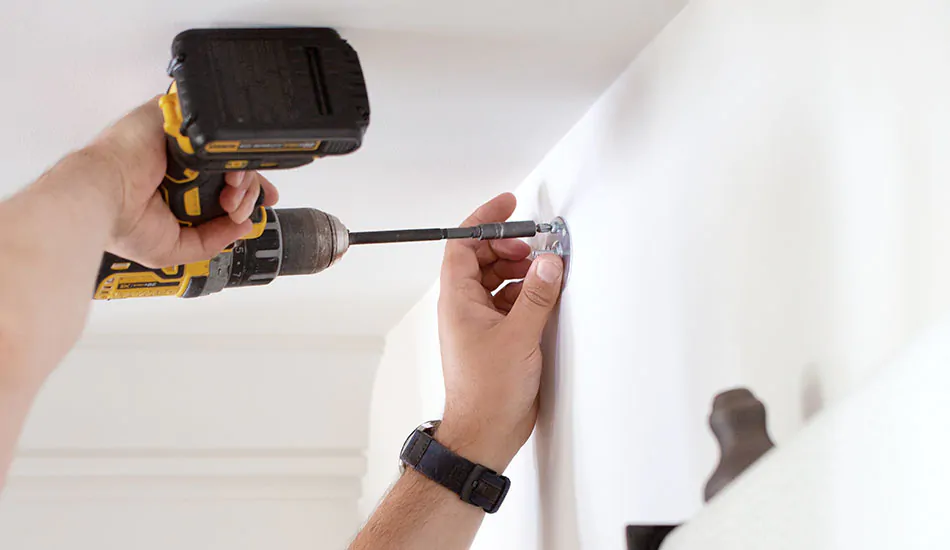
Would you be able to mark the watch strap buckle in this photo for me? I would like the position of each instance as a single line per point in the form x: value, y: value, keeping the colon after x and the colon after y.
x: 485, y: 488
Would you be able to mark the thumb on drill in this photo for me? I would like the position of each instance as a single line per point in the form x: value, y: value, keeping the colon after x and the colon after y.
x: 538, y: 296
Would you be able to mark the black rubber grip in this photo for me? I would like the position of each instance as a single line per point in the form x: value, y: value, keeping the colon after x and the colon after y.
x: 193, y: 197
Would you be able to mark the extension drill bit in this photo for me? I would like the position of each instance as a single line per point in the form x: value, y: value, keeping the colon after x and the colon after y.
x: 483, y: 232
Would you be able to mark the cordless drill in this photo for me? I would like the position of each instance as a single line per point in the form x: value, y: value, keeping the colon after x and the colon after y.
x: 250, y: 99
x: 261, y: 99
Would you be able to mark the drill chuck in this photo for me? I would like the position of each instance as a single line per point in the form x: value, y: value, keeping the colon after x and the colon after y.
x: 295, y: 241
x: 312, y: 240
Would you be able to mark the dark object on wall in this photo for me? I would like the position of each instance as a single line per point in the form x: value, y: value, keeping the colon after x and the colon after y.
x: 647, y: 537
x: 738, y: 420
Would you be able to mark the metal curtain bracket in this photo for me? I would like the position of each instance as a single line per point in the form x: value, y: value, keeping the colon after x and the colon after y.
x: 556, y: 241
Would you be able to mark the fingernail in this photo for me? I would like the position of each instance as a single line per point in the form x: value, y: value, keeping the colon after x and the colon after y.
x: 239, y: 178
x: 549, y: 269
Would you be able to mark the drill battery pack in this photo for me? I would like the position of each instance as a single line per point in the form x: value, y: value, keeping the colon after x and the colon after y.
x: 267, y: 98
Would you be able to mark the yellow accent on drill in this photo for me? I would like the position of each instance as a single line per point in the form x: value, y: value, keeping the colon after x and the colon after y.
x: 137, y: 284
x: 222, y: 146
x: 258, y: 228
x: 144, y: 284
x: 171, y: 112
x: 235, y: 164
x: 189, y: 174
x: 192, y: 202
x: 196, y: 269
x: 257, y: 146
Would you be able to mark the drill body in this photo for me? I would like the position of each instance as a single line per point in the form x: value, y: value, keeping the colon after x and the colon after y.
x: 292, y: 241
x: 250, y: 99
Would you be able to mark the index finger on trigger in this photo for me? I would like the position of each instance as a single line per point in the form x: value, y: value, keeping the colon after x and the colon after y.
x: 271, y: 196
x: 238, y: 180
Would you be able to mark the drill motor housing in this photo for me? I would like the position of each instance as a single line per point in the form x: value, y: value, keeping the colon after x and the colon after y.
x: 294, y: 241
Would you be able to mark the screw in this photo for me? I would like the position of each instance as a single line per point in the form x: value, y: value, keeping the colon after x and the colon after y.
x: 553, y: 248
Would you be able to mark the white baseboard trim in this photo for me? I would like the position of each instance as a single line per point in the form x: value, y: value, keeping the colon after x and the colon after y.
x: 187, y: 463
x: 233, y: 342
x: 161, y: 474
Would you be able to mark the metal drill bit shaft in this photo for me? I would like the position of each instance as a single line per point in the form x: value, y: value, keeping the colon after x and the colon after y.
x: 485, y: 231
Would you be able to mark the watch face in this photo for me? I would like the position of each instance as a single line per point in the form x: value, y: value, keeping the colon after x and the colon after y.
x: 430, y: 427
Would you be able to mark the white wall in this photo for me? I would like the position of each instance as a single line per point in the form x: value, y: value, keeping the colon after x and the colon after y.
x: 761, y: 200
x: 868, y: 474
x: 243, y: 442
x: 406, y: 392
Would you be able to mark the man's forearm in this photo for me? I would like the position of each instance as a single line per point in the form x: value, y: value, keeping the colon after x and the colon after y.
x: 54, y: 234
x: 419, y: 514
x: 489, y: 337
x: 15, y: 400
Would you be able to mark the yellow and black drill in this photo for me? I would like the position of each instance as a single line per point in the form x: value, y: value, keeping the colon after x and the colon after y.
x: 261, y: 99
x: 250, y: 99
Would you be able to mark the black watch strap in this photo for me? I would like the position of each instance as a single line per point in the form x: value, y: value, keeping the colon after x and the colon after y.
x: 473, y: 483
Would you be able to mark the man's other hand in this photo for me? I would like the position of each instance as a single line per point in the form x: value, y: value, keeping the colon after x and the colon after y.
x: 146, y: 231
x: 491, y: 355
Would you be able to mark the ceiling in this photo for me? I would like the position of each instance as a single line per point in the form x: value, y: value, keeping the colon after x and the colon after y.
x: 467, y: 97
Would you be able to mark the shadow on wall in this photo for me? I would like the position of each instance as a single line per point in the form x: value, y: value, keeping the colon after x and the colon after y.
x: 812, y: 394
x: 554, y: 436
x: 554, y: 440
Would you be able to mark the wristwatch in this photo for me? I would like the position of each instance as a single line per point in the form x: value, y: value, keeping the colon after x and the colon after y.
x: 473, y: 483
